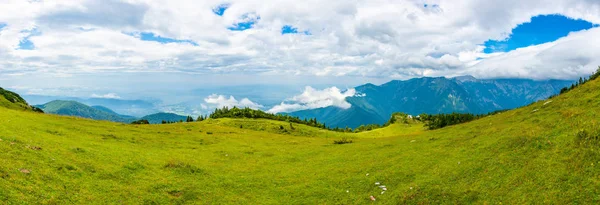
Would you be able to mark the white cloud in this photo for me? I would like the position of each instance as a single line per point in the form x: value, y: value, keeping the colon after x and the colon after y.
x: 107, y: 95
x: 220, y: 101
x: 365, y: 38
x: 567, y: 57
x: 312, y: 98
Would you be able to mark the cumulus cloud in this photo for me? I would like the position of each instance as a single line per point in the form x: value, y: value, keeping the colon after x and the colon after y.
x: 566, y: 58
x: 220, y: 101
x: 312, y: 98
x: 365, y: 38
x: 107, y: 95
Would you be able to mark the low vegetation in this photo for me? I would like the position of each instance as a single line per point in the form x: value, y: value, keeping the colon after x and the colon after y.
x: 342, y: 141
x: 140, y: 122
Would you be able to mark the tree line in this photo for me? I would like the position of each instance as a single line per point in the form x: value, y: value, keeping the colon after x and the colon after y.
x: 581, y: 81
x: 236, y: 112
x: 438, y: 121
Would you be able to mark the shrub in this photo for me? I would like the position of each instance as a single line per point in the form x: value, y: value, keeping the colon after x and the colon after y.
x: 140, y: 122
x: 342, y: 141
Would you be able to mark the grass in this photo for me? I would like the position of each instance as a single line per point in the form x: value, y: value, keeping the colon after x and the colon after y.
x: 528, y: 155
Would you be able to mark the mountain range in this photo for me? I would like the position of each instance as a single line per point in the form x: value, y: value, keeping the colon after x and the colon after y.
x: 123, y: 106
x: 373, y: 104
x: 97, y: 112
x: 466, y: 94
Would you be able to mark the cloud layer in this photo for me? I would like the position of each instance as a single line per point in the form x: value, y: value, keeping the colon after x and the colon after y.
x: 107, y: 95
x: 312, y: 98
x: 219, y: 101
x: 372, y: 38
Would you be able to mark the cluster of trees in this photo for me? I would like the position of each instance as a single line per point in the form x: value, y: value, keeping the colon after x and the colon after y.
x: 442, y: 120
x: 368, y: 127
x: 438, y: 121
x: 170, y: 122
x: 201, y: 118
x: 188, y: 119
x: 235, y: 112
x: 140, y: 122
x: 581, y: 81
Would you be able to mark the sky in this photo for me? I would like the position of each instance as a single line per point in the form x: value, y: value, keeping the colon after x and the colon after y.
x: 135, y: 49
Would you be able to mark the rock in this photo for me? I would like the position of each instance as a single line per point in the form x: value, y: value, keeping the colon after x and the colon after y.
x: 372, y: 198
x: 377, y: 183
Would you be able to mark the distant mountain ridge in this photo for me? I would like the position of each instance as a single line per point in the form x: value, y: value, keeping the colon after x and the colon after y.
x: 136, y: 108
x: 464, y: 94
x: 159, y: 117
x: 74, y: 108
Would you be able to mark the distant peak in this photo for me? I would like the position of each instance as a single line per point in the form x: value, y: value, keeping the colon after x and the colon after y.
x: 465, y: 78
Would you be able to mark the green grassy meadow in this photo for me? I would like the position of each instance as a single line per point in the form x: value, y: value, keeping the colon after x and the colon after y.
x: 529, y: 155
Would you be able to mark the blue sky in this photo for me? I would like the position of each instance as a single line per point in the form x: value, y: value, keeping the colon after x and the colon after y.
x: 220, y: 9
x: 119, y: 48
x: 541, y: 29
x: 148, y: 36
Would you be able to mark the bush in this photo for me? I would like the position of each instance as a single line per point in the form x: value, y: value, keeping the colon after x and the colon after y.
x: 140, y: 122
x: 342, y: 141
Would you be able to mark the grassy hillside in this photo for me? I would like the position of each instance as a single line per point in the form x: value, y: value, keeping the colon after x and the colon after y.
x: 14, y: 101
x: 536, y: 154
